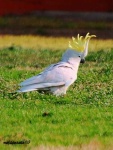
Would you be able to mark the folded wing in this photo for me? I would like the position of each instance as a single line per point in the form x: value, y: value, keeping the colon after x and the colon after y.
x: 51, y: 77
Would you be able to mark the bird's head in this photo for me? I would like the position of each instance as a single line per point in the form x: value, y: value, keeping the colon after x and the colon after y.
x: 81, y: 45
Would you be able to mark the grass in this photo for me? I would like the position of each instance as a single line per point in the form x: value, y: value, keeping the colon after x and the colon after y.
x: 42, y: 43
x: 83, y: 118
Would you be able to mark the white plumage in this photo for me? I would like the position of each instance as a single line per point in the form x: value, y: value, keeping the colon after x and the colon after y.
x: 57, y: 77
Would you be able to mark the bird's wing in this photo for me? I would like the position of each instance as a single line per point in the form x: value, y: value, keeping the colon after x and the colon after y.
x: 36, y: 79
x: 50, y: 77
x: 44, y: 86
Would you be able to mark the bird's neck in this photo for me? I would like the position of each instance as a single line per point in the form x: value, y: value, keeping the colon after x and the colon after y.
x: 70, y: 56
x: 74, y: 62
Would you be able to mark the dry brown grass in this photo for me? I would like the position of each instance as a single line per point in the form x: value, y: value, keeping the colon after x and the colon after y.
x: 53, y: 43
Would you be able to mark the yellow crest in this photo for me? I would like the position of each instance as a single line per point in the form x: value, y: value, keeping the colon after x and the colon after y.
x: 80, y: 42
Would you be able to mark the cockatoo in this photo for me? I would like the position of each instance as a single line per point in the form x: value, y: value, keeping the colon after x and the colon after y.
x: 57, y: 78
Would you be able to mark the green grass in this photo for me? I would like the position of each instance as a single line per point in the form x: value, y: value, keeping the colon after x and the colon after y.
x: 82, y: 118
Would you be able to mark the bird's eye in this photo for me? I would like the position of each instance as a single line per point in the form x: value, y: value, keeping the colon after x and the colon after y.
x: 78, y: 56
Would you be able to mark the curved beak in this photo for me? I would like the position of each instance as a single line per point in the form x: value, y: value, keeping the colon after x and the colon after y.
x: 82, y: 61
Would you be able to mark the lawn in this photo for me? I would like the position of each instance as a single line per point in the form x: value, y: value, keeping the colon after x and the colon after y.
x: 82, y: 119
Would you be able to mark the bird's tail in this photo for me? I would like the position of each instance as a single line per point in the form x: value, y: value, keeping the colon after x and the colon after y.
x: 43, y: 86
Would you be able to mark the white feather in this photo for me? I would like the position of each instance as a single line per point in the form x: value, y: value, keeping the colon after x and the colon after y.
x: 40, y: 86
x: 57, y: 77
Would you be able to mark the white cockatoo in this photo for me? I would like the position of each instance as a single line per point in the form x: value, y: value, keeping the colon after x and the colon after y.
x: 57, y: 78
